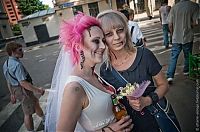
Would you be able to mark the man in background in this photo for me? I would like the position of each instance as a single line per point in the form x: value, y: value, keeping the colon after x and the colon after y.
x: 164, y: 12
x: 148, y: 8
x: 182, y: 19
x: 20, y: 85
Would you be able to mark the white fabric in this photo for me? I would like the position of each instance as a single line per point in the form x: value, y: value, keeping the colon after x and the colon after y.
x: 62, y: 70
x: 98, y: 113
x: 164, y: 14
x: 137, y: 33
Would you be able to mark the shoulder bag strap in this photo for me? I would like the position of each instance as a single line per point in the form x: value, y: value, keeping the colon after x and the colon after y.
x: 119, y: 77
x: 132, y: 28
x: 9, y: 73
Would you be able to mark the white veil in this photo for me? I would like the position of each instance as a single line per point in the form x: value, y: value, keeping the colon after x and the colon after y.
x: 63, y: 69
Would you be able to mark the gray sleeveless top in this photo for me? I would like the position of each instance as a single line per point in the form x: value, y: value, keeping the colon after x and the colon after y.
x: 98, y: 113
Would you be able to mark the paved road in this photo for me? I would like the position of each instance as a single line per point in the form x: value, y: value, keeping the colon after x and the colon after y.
x: 40, y: 62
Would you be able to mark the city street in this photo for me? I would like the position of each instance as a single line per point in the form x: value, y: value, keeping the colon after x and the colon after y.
x: 41, y: 59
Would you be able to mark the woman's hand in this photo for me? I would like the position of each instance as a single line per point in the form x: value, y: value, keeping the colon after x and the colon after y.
x: 139, y: 103
x: 41, y: 91
x: 12, y: 98
x: 123, y: 125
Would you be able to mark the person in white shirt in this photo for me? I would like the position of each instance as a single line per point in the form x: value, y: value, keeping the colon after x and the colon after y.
x: 136, y: 34
x: 164, y: 12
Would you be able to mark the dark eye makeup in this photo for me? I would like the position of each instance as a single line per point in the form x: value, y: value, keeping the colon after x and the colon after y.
x: 96, y: 41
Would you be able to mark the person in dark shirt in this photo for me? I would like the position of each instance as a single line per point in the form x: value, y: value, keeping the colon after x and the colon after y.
x: 135, y: 65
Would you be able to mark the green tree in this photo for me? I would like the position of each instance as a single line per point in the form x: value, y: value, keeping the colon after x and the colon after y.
x: 28, y: 7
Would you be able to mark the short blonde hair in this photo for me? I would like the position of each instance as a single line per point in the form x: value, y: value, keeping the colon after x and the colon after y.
x: 111, y: 18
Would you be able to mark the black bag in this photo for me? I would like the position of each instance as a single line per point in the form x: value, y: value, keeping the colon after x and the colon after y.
x: 165, y: 116
x: 139, y: 42
x: 162, y: 111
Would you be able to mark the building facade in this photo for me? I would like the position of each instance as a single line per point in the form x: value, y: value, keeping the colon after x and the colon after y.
x: 5, y: 30
x: 44, y: 25
x: 40, y: 27
x: 11, y: 8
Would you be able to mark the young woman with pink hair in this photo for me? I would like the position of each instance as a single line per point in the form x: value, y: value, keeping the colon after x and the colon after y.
x: 78, y: 101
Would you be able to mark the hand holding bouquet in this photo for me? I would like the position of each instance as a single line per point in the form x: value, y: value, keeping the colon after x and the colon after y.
x: 136, y: 90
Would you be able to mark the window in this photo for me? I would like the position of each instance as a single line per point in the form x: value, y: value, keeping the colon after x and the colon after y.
x: 77, y: 8
x: 1, y: 36
x: 93, y: 9
x: 120, y: 3
x: 8, y: 5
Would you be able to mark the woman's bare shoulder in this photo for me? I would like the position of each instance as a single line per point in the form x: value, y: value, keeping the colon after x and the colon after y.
x: 74, y: 88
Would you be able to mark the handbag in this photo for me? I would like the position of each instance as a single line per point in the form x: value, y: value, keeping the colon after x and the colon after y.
x: 162, y: 111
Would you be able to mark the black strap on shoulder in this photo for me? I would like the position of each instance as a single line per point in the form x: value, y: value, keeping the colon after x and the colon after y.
x: 132, y: 28
x: 9, y: 72
x: 119, y: 77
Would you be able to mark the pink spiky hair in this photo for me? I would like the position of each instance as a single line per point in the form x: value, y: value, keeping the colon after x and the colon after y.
x: 71, y: 33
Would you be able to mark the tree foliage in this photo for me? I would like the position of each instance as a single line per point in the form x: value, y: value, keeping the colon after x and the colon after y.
x: 28, y: 7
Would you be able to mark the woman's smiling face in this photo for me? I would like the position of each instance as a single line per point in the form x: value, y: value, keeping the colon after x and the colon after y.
x: 93, y: 45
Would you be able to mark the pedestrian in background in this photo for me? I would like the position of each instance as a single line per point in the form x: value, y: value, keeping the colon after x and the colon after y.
x: 182, y: 19
x: 80, y: 96
x: 135, y: 31
x: 20, y: 85
x: 134, y: 65
x: 163, y: 13
x: 148, y: 8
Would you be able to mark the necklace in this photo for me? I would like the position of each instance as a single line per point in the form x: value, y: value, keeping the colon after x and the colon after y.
x: 121, y: 61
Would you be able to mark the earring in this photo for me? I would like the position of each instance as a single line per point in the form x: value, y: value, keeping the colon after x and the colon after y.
x: 82, y: 58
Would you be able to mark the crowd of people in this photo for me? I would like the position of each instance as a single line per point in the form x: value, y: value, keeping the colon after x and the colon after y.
x: 81, y: 91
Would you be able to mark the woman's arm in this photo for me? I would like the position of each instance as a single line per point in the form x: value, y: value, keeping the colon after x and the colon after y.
x: 71, y: 107
x: 161, y: 90
x: 161, y: 84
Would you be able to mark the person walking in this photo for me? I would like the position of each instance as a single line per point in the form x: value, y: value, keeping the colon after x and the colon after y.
x: 136, y: 34
x: 148, y: 8
x: 163, y: 13
x: 182, y: 20
x: 20, y: 85
x: 80, y: 101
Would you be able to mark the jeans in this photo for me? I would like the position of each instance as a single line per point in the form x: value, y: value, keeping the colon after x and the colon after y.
x: 165, y: 34
x: 175, y: 51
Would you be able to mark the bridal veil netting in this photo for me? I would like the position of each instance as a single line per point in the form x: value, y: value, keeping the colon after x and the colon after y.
x: 63, y: 68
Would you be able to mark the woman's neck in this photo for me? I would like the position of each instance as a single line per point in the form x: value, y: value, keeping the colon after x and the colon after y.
x: 118, y: 55
x: 86, y: 71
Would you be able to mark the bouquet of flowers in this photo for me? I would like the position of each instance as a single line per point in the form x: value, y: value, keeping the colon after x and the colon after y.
x: 136, y: 90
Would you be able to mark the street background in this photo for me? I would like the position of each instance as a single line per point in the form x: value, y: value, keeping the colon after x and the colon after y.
x: 40, y: 61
